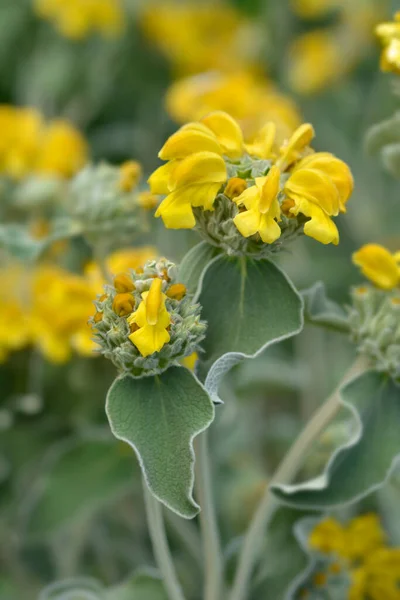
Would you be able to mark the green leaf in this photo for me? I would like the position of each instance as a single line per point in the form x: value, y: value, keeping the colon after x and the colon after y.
x: 248, y: 306
x: 193, y: 265
x: 145, y: 585
x: 159, y: 418
x: 320, y: 310
x: 364, y: 463
x: 79, y: 479
x: 77, y: 588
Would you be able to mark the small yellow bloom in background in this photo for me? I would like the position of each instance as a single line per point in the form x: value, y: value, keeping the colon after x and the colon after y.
x: 379, y: 265
x: 328, y: 537
x: 76, y: 19
x: 152, y: 320
x: 389, y: 36
x: 262, y: 207
x: 201, y: 36
x: 63, y: 150
x: 130, y: 174
x: 119, y: 262
x: 190, y: 361
x: 378, y: 578
x: 30, y: 146
x: 15, y: 323
x: 250, y: 99
x: 147, y: 200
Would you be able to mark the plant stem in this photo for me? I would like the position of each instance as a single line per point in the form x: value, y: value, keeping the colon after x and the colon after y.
x: 287, y: 469
x: 155, y: 521
x: 213, y: 567
x: 187, y: 533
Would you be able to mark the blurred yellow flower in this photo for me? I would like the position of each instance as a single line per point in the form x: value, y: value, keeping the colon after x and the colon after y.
x: 389, y: 36
x: 77, y: 19
x: 15, y: 330
x: 130, y: 174
x: 119, y: 262
x: 314, y: 9
x: 202, y: 36
x: 150, y: 321
x: 378, y: 578
x: 379, y: 265
x: 29, y: 146
x: 250, y: 99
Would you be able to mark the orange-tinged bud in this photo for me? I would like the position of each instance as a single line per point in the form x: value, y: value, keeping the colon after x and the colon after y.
x: 177, y: 291
x: 103, y: 297
x: 286, y: 206
x: 98, y: 316
x: 123, y: 283
x: 123, y: 304
x: 235, y: 187
x: 130, y: 173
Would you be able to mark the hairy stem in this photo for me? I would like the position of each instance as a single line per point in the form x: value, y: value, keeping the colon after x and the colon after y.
x: 213, y: 567
x: 161, y: 550
x: 287, y: 469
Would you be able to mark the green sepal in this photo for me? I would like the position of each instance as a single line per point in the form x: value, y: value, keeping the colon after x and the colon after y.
x: 248, y: 305
x: 159, y: 417
x: 364, y: 463
x: 321, y: 310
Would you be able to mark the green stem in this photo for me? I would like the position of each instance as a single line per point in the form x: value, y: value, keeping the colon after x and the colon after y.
x: 161, y: 550
x: 287, y: 469
x: 213, y: 567
x: 187, y: 534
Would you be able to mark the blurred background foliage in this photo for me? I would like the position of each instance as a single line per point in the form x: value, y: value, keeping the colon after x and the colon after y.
x: 124, y: 75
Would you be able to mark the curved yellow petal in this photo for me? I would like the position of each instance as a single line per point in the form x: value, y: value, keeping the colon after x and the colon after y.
x: 247, y: 222
x: 188, y: 141
x: 378, y: 265
x: 269, y: 229
x: 227, y: 132
x: 269, y: 188
x: 149, y: 339
x: 300, y: 139
x: 160, y: 179
x: 263, y: 143
x: 315, y: 186
x: 153, y: 301
x: 201, y: 167
x: 249, y: 198
x: 176, y: 211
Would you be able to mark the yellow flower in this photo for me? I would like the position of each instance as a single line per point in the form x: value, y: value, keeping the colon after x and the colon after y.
x: 319, y: 187
x: 328, y: 537
x: 131, y: 172
x: 78, y: 18
x: 378, y: 578
x: 196, y: 168
x: 249, y: 99
x: 379, y: 265
x: 198, y: 37
x: 152, y: 320
x: 62, y: 151
x: 262, y: 207
x: 389, y: 35
x: 316, y: 61
x: 119, y: 262
x: 15, y: 324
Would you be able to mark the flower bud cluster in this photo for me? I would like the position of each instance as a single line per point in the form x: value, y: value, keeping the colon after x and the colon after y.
x: 374, y: 319
x: 146, y: 321
x: 105, y: 202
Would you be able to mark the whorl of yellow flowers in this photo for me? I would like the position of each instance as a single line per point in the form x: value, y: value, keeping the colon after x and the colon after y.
x: 379, y: 265
x: 251, y: 99
x: 279, y: 183
x: 76, y: 19
x: 389, y: 36
x: 358, y: 551
x: 200, y: 36
x: 30, y: 146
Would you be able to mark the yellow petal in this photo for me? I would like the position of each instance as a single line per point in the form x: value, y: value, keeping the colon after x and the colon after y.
x: 201, y: 167
x: 262, y: 145
x: 176, y: 211
x: 188, y: 141
x: 227, y: 131
x: 160, y: 179
x: 269, y: 229
x: 378, y: 265
x: 320, y: 226
x: 300, y: 139
x: 249, y: 198
x: 153, y: 301
x: 139, y: 316
x: 149, y: 339
x: 247, y: 222
x: 269, y: 189
x: 315, y: 187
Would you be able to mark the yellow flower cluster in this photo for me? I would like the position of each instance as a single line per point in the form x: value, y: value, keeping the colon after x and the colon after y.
x: 249, y: 98
x: 361, y: 549
x: 201, y: 36
x: 49, y: 308
x: 76, y: 19
x: 389, y: 36
x: 320, y: 57
x: 379, y: 265
x: 28, y: 145
x: 297, y: 181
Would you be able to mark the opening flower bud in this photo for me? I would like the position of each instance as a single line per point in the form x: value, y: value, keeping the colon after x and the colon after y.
x: 177, y: 291
x: 123, y: 283
x: 123, y: 304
